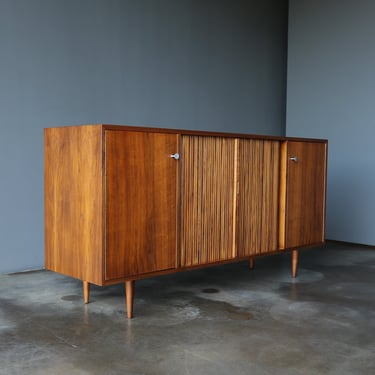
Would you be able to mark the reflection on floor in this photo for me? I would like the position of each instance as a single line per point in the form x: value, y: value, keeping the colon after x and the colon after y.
x: 220, y: 320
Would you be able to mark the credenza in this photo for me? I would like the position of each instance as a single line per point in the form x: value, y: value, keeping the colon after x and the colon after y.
x: 124, y: 203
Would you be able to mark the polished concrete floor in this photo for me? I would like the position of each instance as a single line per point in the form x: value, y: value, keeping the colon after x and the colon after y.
x: 223, y: 320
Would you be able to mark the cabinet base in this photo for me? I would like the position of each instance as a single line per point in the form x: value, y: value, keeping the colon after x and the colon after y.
x: 129, y: 285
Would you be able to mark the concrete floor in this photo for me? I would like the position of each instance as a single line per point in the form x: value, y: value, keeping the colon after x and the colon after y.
x: 222, y: 320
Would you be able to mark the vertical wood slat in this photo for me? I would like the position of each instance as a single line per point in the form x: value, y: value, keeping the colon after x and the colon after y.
x: 270, y: 196
x: 258, y: 193
x: 208, y: 199
x: 282, y: 195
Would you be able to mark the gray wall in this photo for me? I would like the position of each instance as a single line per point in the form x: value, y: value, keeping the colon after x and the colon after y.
x: 331, y: 94
x: 195, y: 64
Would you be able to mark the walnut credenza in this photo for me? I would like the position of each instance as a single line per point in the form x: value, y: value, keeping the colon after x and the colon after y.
x: 124, y: 203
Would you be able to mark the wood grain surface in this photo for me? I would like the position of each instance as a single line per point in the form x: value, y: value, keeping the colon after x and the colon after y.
x: 258, y: 193
x: 141, y: 203
x: 208, y: 200
x: 305, y: 193
x: 74, y: 202
x: 119, y: 208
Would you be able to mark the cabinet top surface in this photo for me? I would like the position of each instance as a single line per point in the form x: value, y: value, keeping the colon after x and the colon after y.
x: 191, y: 132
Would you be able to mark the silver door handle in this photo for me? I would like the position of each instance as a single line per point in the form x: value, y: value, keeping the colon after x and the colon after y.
x: 175, y: 156
x: 294, y: 158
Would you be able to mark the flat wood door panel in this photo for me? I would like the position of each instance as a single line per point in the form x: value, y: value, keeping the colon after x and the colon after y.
x: 208, y: 200
x: 305, y: 193
x: 141, y: 203
x: 258, y: 192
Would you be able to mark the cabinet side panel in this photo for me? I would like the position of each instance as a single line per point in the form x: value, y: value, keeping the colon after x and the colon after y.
x: 141, y: 203
x: 73, y: 202
x: 208, y: 200
x: 258, y: 190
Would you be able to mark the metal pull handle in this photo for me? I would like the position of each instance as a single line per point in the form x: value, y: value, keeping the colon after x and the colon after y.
x: 175, y: 156
x: 294, y: 158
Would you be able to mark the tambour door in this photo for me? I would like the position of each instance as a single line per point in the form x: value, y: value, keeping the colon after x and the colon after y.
x: 141, y: 182
x: 305, y: 189
x: 208, y: 195
x: 258, y: 196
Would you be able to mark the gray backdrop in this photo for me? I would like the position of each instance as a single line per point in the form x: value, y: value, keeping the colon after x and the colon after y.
x: 194, y: 64
x: 331, y: 94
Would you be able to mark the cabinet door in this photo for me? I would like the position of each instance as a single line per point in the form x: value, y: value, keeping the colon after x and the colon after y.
x: 208, y: 200
x: 305, y: 193
x: 141, y: 203
x: 258, y: 196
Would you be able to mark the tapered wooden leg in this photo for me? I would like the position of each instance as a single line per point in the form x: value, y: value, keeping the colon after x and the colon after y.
x: 86, y: 291
x: 251, y: 263
x: 294, y: 262
x: 129, y: 288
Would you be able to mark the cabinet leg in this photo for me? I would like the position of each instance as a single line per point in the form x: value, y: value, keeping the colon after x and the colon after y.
x: 129, y: 289
x: 86, y: 291
x: 294, y: 262
x: 251, y: 263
